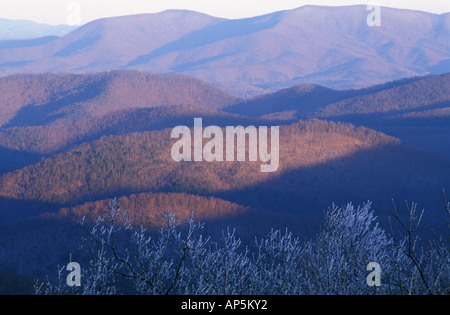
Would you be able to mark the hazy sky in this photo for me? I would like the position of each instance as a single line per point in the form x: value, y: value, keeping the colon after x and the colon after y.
x: 83, y: 11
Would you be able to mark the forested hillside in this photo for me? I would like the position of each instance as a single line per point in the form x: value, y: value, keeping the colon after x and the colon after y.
x: 142, y: 161
x: 415, y: 110
x: 307, y: 101
x: 42, y: 114
x: 38, y: 99
x: 80, y: 140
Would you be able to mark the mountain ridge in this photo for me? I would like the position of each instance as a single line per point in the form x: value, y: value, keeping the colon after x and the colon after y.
x: 26, y: 29
x: 336, y: 48
x: 310, y: 100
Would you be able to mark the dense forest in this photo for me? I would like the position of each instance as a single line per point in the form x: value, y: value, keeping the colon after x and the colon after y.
x: 421, y: 93
x: 66, y: 110
x: 138, y: 162
x: 80, y: 140
x: 41, y: 114
x: 67, y: 133
x: 415, y: 110
x: 56, y: 96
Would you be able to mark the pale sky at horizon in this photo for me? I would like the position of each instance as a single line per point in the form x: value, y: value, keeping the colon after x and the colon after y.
x: 66, y: 11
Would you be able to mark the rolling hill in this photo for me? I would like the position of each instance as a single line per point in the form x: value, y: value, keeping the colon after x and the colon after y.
x: 33, y: 99
x: 320, y: 163
x: 297, y: 101
x: 415, y: 110
x: 425, y: 94
x: 138, y: 162
x: 42, y: 114
x: 390, y: 99
x: 316, y: 157
x: 333, y: 47
x: 78, y: 140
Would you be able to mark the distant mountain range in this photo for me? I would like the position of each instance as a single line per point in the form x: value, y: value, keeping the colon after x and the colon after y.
x: 11, y: 31
x: 333, y: 47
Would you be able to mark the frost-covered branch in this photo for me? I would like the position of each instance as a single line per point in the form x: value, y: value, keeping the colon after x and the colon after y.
x: 181, y: 260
